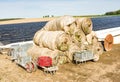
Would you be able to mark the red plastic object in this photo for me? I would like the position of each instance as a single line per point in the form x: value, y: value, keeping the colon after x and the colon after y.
x: 44, y: 61
x: 108, y: 42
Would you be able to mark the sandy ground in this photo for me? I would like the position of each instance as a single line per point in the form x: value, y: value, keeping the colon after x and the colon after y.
x: 26, y: 20
x: 107, y: 69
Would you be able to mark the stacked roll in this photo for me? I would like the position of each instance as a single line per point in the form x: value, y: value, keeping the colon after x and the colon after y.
x: 64, y: 23
x: 56, y: 55
x: 52, y: 40
x: 62, y: 37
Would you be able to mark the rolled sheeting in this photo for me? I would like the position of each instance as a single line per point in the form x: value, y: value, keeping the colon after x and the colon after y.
x: 108, y: 42
x: 68, y: 35
x: 64, y: 23
x: 85, y: 24
x: 79, y: 37
x: 94, y: 45
x: 90, y: 37
x: 57, y: 56
x: 97, y: 50
x: 52, y: 40
x: 72, y: 49
x: 36, y: 37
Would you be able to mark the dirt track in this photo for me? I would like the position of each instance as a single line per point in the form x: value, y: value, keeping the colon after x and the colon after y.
x: 107, y: 69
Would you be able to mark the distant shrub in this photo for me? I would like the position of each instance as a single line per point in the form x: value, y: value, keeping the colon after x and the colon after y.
x: 113, y: 13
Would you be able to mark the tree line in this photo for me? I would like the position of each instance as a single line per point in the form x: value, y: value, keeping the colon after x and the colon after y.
x: 113, y: 12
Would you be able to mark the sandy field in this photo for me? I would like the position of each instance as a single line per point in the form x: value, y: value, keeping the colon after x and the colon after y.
x: 107, y: 69
x: 26, y: 20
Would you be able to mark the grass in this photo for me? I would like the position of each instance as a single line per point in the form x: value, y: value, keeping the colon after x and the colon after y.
x: 96, y: 16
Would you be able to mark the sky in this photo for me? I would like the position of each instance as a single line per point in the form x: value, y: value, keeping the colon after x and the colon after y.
x: 40, y: 8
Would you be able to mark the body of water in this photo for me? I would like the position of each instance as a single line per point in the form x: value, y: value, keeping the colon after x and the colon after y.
x: 10, y: 33
x: 106, y: 22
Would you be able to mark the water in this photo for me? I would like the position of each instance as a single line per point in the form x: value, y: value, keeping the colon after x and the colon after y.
x: 106, y: 22
x: 19, y: 32
x: 25, y: 31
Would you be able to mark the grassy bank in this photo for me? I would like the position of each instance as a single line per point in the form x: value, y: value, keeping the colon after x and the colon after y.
x: 96, y: 16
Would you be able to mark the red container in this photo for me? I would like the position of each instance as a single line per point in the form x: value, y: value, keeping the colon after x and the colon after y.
x: 44, y: 61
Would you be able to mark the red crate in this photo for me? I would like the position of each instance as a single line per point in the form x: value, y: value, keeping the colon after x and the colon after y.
x: 44, y: 61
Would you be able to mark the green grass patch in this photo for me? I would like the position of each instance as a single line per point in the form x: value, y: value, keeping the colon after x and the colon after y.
x: 96, y: 16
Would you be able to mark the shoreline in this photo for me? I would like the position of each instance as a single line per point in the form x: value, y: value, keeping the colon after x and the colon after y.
x: 26, y: 20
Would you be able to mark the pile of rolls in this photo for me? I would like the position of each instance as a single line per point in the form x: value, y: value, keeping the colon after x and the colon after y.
x: 60, y: 38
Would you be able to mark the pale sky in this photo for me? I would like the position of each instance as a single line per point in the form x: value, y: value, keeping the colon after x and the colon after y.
x: 40, y: 8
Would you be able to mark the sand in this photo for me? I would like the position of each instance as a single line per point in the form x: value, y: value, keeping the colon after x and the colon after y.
x: 107, y: 69
x: 26, y: 20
